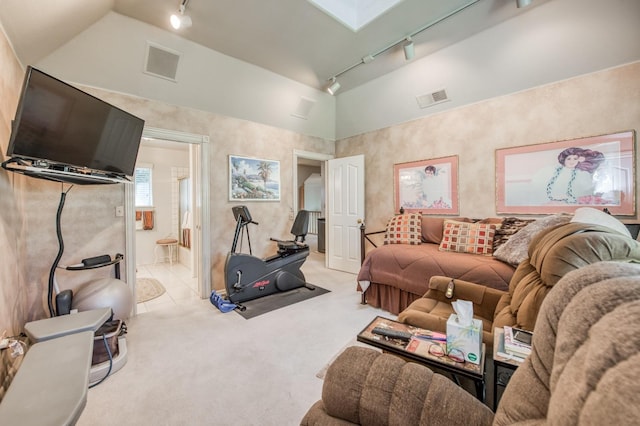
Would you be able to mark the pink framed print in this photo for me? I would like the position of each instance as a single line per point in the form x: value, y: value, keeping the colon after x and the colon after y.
x: 427, y: 186
x: 559, y: 177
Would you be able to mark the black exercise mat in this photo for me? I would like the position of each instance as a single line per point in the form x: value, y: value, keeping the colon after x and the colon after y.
x: 275, y: 301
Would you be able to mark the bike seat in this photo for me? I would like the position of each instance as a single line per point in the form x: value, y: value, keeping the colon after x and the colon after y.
x: 285, y: 247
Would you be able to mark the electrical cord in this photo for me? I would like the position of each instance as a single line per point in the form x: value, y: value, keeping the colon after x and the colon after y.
x: 52, y: 271
x: 106, y: 345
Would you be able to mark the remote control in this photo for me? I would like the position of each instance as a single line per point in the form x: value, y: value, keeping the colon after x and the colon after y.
x: 393, y: 334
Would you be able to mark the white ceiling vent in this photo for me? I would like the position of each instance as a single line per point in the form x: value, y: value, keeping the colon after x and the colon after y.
x: 304, y: 108
x: 433, y: 98
x: 161, y: 62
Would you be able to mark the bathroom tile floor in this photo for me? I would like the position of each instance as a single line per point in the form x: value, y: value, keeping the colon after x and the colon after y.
x: 181, y: 287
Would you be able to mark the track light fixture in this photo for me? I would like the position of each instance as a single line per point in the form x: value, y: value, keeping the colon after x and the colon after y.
x: 409, y: 51
x: 523, y: 3
x: 407, y: 43
x: 181, y: 20
x: 333, y: 87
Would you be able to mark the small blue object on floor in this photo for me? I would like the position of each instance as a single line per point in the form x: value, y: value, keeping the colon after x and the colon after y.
x: 220, y: 303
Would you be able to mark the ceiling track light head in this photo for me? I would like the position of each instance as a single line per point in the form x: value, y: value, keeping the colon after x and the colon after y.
x: 181, y: 20
x: 409, y: 51
x: 367, y: 59
x: 333, y: 87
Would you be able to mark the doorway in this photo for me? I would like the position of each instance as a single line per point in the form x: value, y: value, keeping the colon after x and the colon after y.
x: 309, y: 183
x: 170, y: 221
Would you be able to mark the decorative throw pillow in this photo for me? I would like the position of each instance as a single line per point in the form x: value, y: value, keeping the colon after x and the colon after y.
x: 432, y: 228
x: 404, y: 229
x: 508, y: 228
x: 516, y: 249
x: 475, y: 238
x: 597, y: 217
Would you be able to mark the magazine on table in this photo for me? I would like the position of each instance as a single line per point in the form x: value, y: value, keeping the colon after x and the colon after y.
x: 515, y: 342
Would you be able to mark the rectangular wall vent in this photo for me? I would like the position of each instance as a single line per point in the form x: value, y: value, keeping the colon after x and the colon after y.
x: 434, y: 98
x: 161, y: 62
x: 304, y: 108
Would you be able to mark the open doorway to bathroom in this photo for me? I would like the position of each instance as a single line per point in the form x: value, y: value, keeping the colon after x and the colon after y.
x: 165, y: 269
x: 178, y: 168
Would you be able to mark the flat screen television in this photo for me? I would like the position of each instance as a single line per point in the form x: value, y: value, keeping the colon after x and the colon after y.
x: 60, y: 127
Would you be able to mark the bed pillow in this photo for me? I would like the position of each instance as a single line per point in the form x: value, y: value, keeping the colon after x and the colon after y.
x: 597, y: 217
x: 404, y: 229
x: 516, y: 249
x: 464, y: 237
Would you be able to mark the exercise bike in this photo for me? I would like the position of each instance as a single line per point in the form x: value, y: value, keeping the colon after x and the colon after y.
x: 248, y: 277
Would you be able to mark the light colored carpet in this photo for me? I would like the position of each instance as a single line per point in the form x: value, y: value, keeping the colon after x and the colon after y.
x: 191, y: 364
x: 353, y: 342
x: 147, y: 289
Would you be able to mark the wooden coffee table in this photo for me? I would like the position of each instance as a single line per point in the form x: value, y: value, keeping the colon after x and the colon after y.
x: 418, y: 350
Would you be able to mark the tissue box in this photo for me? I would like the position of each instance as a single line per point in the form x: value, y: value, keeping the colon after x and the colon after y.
x: 467, y: 339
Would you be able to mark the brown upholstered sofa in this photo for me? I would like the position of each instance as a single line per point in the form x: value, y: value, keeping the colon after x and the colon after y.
x: 552, y: 253
x: 395, y: 274
x: 584, y: 368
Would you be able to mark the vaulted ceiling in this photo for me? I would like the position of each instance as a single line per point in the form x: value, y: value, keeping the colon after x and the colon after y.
x: 292, y: 38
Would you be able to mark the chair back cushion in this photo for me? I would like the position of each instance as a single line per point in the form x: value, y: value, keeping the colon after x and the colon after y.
x: 552, y: 254
x: 585, y: 366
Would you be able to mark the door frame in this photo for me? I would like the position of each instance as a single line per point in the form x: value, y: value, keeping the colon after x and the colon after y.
x: 297, y: 153
x: 201, y: 221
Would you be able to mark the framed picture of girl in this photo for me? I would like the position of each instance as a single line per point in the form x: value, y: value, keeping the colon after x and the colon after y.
x: 559, y: 177
x: 427, y: 186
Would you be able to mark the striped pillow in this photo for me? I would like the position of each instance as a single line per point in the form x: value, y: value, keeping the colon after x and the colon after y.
x: 404, y: 229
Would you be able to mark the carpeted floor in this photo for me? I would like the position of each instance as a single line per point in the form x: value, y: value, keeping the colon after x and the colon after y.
x: 191, y: 364
x: 147, y: 289
x: 262, y: 305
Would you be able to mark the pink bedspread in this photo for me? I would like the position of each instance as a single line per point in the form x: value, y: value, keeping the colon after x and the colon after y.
x: 409, y: 267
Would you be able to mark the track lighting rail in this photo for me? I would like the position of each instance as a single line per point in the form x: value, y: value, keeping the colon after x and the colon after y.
x: 369, y: 58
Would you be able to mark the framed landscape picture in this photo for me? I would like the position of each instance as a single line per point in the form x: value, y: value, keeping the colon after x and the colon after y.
x: 427, y: 186
x: 559, y: 177
x: 253, y: 179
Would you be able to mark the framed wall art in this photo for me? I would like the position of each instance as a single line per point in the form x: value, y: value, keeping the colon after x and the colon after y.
x: 559, y: 177
x: 253, y: 179
x: 427, y: 186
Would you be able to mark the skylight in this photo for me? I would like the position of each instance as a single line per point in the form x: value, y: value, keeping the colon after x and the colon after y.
x: 354, y: 14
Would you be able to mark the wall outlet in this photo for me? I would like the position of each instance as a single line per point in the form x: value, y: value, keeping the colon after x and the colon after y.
x: 119, y: 211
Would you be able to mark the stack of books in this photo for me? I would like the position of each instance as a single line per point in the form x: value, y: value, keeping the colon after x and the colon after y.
x: 517, y: 342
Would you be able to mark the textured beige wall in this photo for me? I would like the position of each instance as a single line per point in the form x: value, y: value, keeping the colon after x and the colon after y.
x: 238, y: 137
x: 12, y: 269
x: 595, y: 104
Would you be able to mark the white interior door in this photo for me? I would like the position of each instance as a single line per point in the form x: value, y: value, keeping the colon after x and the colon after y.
x: 345, y: 212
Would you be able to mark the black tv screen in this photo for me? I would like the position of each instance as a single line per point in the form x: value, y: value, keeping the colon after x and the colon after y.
x: 61, y: 125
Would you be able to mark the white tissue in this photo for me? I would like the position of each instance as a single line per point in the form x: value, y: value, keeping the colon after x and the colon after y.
x: 464, y: 310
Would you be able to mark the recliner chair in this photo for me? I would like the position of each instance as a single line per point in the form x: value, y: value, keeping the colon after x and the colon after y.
x: 552, y: 253
x: 583, y: 369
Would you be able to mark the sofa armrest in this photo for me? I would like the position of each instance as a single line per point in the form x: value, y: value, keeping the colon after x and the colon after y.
x: 484, y: 299
x: 363, y: 386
